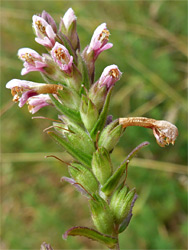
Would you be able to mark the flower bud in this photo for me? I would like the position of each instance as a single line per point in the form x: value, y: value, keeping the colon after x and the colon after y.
x: 102, y: 165
x: 88, y: 112
x: 110, y: 136
x: 84, y: 176
x: 97, y: 95
x: 121, y: 203
x: 68, y: 27
x: 101, y: 215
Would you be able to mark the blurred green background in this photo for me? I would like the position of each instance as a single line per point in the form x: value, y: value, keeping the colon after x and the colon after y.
x: 149, y: 40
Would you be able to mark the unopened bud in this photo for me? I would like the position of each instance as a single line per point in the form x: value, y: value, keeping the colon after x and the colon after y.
x: 101, y: 215
x: 88, y: 112
x: 83, y: 176
x: 68, y: 27
x: 102, y: 165
x: 97, y: 95
x: 120, y: 204
x: 110, y: 135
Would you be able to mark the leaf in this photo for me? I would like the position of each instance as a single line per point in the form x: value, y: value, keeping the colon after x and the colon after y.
x: 113, y: 181
x: 92, y: 234
x: 71, y: 113
x: 79, y: 155
x: 102, y: 117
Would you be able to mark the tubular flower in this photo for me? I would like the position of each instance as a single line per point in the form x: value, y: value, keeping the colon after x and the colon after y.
x: 28, y: 89
x: 44, y: 32
x: 110, y: 75
x: 62, y: 57
x: 37, y: 102
x: 164, y: 132
x: 32, y: 61
x: 99, y: 41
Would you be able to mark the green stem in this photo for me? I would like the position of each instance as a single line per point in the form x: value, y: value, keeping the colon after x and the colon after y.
x: 117, y: 236
x: 117, y: 246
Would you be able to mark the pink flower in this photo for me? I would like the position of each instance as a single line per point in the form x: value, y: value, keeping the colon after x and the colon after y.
x: 32, y: 61
x: 110, y: 75
x: 29, y: 89
x: 99, y: 41
x: 37, y: 102
x: 44, y: 32
x: 62, y: 57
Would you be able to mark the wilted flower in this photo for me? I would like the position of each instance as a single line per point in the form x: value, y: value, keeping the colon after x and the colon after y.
x: 110, y: 75
x: 37, y: 102
x: 32, y: 61
x: 44, y: 31
x: 62, y: 57
x: 99, y: 41
x: 28, y: 89
x: 164, y: 132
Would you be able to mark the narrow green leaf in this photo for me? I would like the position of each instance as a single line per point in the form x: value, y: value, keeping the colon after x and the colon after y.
x: 79, y: 155
x: 71, y: 113
x: 92, y: 234
x: 102, y: 117
x: 113, y: 181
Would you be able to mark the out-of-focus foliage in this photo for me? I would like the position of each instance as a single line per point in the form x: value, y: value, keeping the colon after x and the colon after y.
x: 150, y: 48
